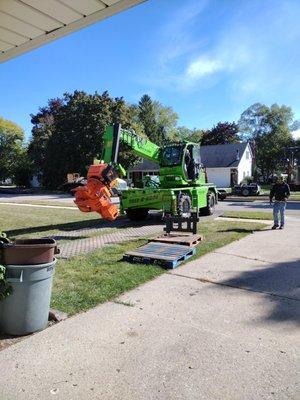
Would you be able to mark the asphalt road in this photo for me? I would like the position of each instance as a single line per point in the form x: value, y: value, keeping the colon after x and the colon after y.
x: 292, y: 210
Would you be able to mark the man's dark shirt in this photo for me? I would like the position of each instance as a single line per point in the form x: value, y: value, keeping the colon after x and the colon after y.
x: 280, y: 191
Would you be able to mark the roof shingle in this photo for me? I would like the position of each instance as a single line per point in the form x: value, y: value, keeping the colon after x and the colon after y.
x: 222, y: 155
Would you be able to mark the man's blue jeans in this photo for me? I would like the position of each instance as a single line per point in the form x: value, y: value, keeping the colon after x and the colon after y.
x: 279, y: 208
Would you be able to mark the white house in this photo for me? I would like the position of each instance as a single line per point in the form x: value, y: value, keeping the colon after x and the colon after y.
x: 227, y: 164
x: 136, y: 173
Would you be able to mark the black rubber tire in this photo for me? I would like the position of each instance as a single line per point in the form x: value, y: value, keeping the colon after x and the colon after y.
x: 184, y: 205
x: 211, y: 204
x: 137, y: 214
x: 245, y: 192
x: 222, y: 196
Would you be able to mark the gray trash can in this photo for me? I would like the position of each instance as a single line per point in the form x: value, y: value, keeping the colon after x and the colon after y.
x: 26, y: 310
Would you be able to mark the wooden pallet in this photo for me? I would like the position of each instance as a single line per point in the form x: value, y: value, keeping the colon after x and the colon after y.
x: 184, y: 240
x: 165, y: 255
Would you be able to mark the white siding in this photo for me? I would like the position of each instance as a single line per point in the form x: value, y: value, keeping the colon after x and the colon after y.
x: 245, y: 165
x: 219, y: 176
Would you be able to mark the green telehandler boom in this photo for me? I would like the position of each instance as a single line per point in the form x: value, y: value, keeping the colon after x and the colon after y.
x: 182, y: 187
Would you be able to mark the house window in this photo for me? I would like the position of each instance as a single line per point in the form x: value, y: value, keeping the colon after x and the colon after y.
x: 247, y: 155
x: 244, y: 174
x: 150, y: 173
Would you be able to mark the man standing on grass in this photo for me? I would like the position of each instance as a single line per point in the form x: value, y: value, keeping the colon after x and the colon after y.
x: 281, y: 192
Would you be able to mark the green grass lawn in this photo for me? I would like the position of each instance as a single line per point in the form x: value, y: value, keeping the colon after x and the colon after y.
x: 264, y: 215
x: 85, y: 281
x: 18, y: 221
x: 295, y: 196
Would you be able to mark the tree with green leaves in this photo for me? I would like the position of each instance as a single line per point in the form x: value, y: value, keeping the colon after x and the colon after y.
x: 43, y: 127
x: 166, y: 122
x: 67, y: 134
x: 267, y: 129
x: 191, y: 135
x: 158, y: 122
x: 126, y: 115
x: 222, y: 133
x: 147, y: 118
x: 11, y: 147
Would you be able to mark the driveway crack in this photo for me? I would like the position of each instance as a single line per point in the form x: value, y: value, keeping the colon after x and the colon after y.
x: 245, y: 257
x: 206, y: 280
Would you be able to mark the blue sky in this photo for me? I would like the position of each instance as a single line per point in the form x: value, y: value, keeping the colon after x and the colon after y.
x: 207, y: 59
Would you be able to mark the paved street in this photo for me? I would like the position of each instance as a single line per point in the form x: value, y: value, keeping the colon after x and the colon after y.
x: 20, y: 198
x: 5, y: 197
x: 292, y: 210
x: 225, y: 326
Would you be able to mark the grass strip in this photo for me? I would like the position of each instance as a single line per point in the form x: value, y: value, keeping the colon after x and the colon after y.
x: 259, y: 215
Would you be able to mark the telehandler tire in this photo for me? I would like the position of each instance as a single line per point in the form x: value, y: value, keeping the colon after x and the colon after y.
x: 211, y: 204
x: 184, y: 205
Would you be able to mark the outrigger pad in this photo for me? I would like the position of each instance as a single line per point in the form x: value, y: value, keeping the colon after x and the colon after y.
x: 165, y: 255
x: 177, y: 223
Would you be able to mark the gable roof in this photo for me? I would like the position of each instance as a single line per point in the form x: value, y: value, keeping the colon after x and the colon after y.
x: 222, y: 155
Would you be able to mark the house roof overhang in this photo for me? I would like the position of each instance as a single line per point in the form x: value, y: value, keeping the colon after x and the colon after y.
x: 28, y: 24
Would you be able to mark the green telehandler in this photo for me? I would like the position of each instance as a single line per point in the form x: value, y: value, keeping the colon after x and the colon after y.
x: 182, y: 187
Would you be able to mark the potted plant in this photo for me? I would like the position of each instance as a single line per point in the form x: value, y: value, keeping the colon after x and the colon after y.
x: 5, y: 288
x: 3, y: 238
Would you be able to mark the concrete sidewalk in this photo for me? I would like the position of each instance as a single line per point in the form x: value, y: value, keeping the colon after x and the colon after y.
x: 225, y: 326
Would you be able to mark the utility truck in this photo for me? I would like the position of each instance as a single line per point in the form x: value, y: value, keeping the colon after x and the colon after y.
x: 182, y: 187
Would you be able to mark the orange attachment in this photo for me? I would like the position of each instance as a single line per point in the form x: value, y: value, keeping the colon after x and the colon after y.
x: 95, y: 195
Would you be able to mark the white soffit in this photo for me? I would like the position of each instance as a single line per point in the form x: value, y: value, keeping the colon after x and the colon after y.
x: 27, y: 24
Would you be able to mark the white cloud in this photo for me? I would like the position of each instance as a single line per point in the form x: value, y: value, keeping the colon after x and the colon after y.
x: 296, y: 134
x: 228, y: 57
x: 203, y: 66
x: 253, y: 61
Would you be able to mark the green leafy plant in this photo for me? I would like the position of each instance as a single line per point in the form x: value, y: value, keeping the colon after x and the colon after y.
x: 3, y: 237
x: 5, y: 289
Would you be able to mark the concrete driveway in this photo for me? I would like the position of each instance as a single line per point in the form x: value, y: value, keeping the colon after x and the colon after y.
x: 225, y: 326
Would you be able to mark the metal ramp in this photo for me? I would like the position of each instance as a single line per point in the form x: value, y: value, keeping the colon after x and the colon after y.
x: 165, y: 255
